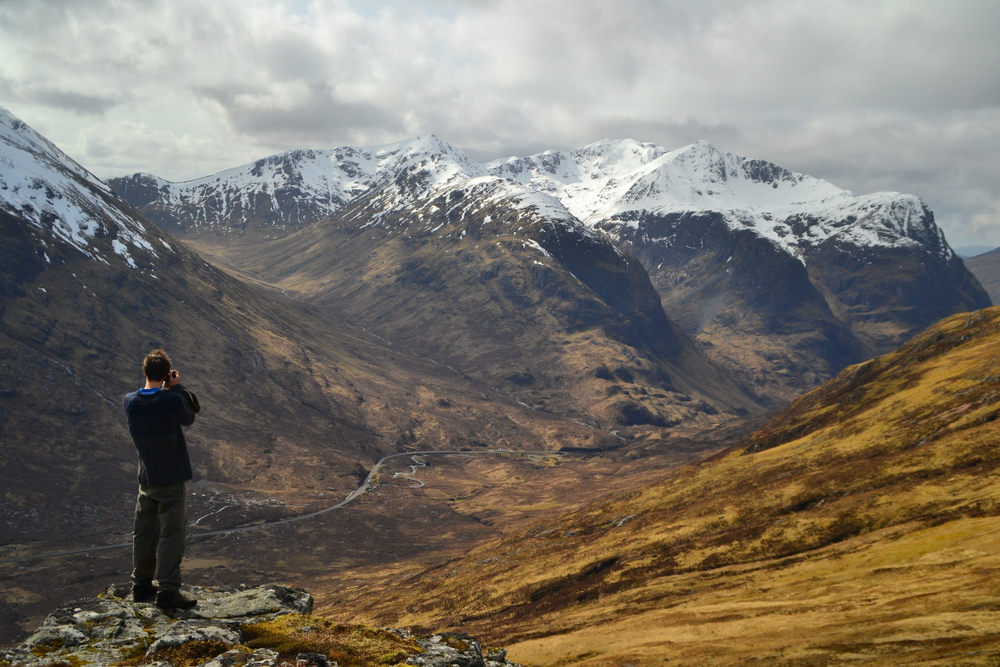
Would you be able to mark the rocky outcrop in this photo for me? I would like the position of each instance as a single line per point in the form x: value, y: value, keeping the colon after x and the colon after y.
x: 450, y: 648
x: 110, y: 629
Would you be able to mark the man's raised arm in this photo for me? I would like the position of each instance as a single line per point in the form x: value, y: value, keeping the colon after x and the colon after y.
x: 185, y: 416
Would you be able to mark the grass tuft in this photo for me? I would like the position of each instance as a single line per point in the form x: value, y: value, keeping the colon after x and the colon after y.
x: 349, y: 645
x: 187, y: 655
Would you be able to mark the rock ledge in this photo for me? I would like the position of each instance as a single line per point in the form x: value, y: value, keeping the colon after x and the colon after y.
x: 110, y: 629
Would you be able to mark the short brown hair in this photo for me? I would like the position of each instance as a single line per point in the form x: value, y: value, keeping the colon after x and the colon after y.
x: 156, y: 366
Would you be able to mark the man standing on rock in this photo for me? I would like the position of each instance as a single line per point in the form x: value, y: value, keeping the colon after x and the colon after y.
x: 155, y: 416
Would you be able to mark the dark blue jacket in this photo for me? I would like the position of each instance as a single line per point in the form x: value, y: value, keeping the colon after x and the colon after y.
x: 154, y: 421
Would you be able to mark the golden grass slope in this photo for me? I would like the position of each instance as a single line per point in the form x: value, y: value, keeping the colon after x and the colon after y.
x: 861, y: 524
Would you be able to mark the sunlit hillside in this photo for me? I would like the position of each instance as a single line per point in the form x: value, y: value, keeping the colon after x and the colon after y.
x: 861, y: 524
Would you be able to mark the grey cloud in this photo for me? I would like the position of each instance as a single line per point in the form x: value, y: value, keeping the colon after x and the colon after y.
x: 313, y: 118
x: 899, y: 94
x: 77, y: 103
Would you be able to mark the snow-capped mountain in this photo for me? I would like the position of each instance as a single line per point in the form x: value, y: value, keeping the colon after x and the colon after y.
x: 605, y: 181
x: 431, y: 217
x: 281, y: 194
x: 616, y: 180
x: 44, y: 186
x: 782, y: 277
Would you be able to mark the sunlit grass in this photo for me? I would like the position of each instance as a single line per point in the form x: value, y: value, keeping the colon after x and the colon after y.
x: 851, y: 511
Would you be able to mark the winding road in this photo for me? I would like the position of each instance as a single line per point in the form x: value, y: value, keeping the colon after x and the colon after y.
x: 353, y: 495
x: 413, y: 471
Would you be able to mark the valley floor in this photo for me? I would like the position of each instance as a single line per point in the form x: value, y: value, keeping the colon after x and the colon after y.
x: 904, y: 595
x: 396, y: 526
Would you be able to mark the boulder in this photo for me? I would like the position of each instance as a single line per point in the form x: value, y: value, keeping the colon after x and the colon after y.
x: 262, y: 657
x: 110, y: 628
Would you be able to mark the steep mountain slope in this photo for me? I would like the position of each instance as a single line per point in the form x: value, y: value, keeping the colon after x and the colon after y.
x: 295, y: 400
x: 782, y: 276
x: 861, y: 523
x: 986, y: 269
x: 504, y: 285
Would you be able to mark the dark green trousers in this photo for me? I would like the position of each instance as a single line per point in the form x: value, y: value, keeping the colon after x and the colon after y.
x: 158, y: 536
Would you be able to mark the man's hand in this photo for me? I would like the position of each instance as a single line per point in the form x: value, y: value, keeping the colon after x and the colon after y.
x: 172, y: 379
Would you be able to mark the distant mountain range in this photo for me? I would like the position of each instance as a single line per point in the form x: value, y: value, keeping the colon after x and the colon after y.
x: 781, y: 278
x: 331, y: 307
x: 417, y: 264
x: 497, y: 281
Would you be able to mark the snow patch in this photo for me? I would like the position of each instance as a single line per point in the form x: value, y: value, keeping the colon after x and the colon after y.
x: 618, y: 181
x: 537, y: 246
x: 41, y: 184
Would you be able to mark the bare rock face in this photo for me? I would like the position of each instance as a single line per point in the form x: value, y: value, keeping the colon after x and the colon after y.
x: 111, y: 628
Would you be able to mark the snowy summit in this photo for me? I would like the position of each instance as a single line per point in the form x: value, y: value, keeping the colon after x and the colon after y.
x: 620, y: 181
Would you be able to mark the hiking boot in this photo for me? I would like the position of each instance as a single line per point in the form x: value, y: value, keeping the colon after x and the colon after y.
x: 174, y: 600
x: 143, y: 592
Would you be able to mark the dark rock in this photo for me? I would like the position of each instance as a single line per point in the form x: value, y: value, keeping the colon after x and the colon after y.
x: 261, y: 657
x: 602, y: 373
x: 312, y: 660
x: 624, y: 374
x: 108, y: 629
x: 521, y: 378
x: 630, y: 413
x: 185, y: 631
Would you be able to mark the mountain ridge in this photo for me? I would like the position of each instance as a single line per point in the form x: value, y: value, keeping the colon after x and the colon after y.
x: 350, y: 173
x: 757, y: 194
x: 781, y: 278
x: 400, y: 258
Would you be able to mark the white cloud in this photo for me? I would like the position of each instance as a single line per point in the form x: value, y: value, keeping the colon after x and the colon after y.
x: 897, y: 95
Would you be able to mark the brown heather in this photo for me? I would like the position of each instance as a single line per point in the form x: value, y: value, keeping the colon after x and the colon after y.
x: 862, y: 523
x: 349, y: 645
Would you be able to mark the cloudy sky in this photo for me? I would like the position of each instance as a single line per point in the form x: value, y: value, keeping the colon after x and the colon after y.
x: 894, y: 95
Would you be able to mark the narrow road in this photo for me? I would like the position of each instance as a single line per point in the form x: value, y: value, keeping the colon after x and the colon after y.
x: 412, y: 475
x: 353, y: 495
